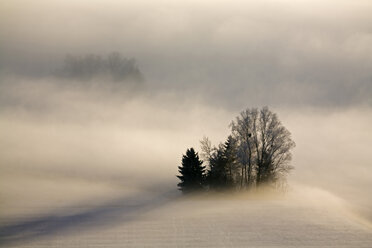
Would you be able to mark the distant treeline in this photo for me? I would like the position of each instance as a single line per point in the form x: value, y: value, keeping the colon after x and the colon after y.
x: 258, y: 152
x: 114, y: 67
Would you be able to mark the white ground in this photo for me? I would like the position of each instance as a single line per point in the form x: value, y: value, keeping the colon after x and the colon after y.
x: 305, y: 218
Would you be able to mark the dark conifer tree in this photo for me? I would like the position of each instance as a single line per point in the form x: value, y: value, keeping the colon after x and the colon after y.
x: 192, y: 172
x: 230, y: 152
x: 217, y: 175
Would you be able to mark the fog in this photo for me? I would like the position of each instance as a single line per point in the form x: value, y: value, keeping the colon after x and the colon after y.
x: 125, y: 139
x: 69, y: 142
x: 237, y: 53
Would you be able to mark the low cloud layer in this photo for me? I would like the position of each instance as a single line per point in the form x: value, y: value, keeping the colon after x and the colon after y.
x: 126, y: 140
x: 234, y: 53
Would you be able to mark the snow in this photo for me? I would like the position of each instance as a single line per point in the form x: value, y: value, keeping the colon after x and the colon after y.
x: 305, y: 218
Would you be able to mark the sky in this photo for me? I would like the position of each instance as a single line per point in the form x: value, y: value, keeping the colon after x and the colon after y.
x: 282, y: 52
x: 203, y: 62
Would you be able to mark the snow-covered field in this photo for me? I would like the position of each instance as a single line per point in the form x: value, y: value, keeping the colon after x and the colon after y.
x: 305, y: 217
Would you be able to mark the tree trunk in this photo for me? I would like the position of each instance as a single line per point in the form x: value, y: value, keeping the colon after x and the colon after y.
x: 241, y: 178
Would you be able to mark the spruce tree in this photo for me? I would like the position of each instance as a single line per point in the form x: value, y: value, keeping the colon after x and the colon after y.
x: 231, y: 160
x: 192, y: 172
x: 217, y: 176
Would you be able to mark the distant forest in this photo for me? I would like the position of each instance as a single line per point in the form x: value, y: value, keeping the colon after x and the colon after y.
x: 114, y: 67
x: 256, y: 153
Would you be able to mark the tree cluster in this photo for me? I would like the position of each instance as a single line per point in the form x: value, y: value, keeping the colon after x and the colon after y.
x: 114, y: 66
x: 256, y: 153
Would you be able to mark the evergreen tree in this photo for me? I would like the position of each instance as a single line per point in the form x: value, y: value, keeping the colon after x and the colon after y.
x: 192, y: 172
x: 217, y: 177
x: 222, y: 166
x: 230, y: 153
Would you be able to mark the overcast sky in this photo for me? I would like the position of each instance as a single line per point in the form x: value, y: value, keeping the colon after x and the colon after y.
x: 233, y: 53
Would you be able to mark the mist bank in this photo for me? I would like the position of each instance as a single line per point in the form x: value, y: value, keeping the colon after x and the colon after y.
x: 135, y: 139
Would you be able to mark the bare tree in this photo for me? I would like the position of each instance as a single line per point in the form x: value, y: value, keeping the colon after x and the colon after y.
x: 242, y: 129
x: 207, y: 149
x: 274, y: 146
x: 263, y: 146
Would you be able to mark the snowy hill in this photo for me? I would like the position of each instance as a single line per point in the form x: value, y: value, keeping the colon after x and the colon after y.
x: 306, y: 218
